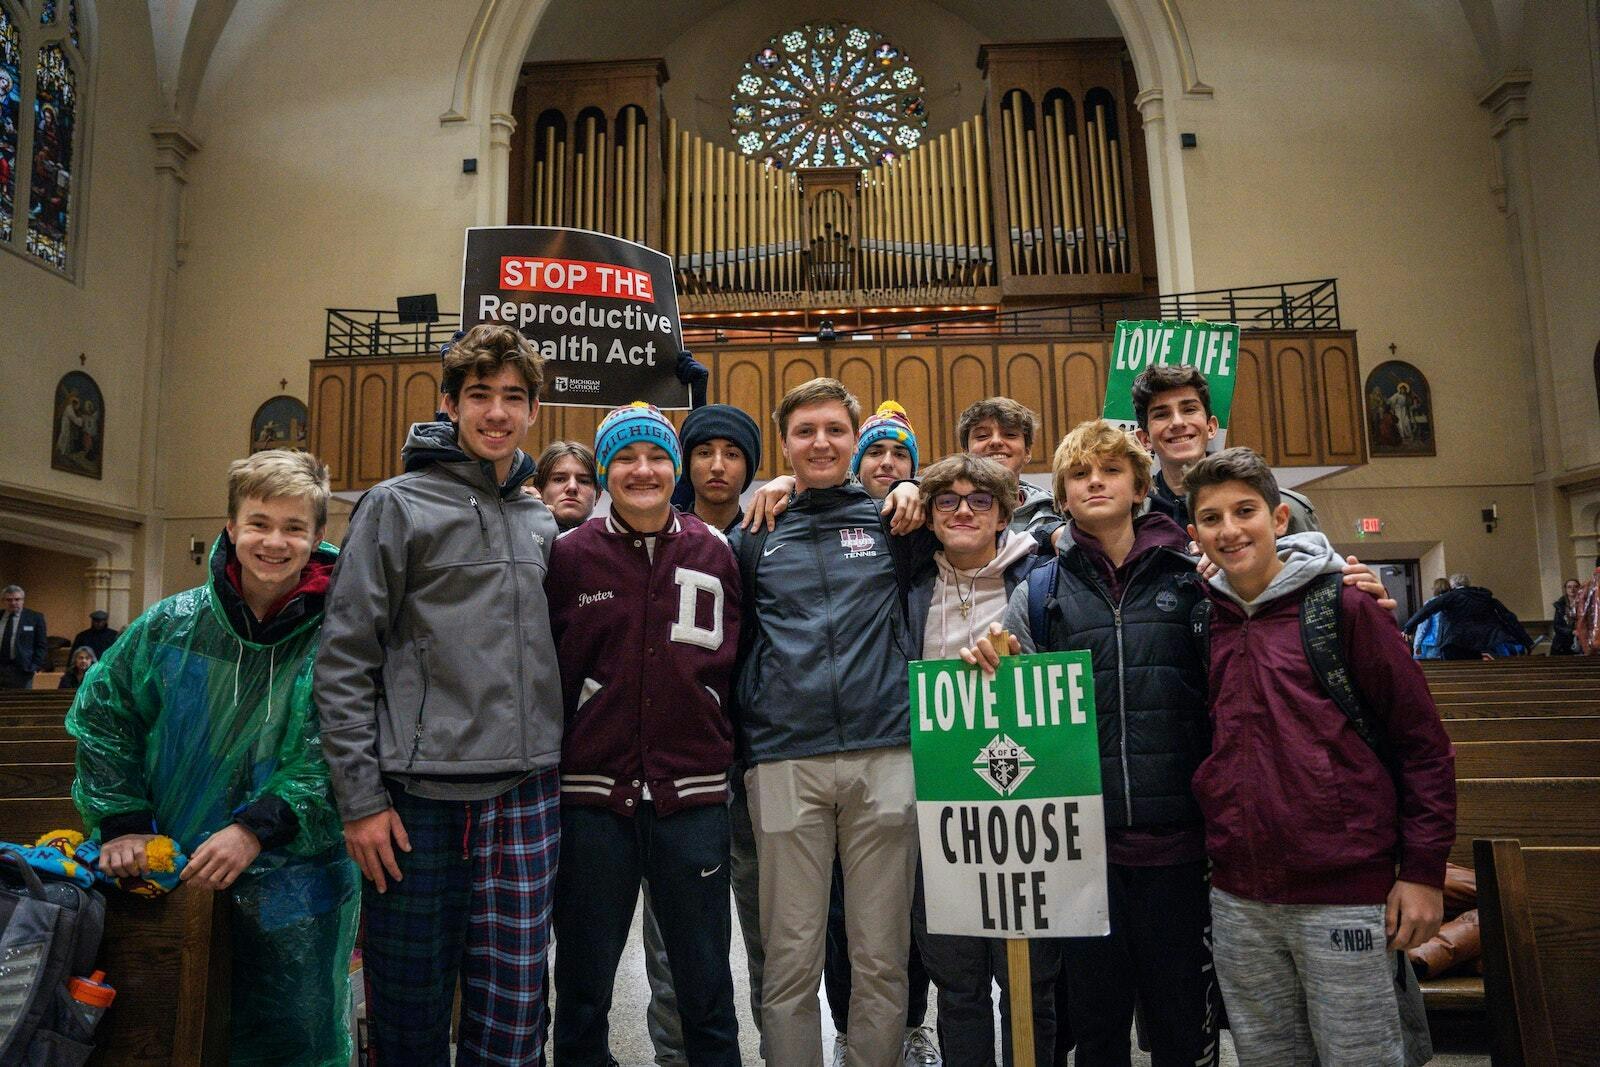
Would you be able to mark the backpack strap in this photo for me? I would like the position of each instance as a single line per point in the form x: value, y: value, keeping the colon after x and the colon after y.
x: 1320, y: 626
x: 1041, y: 589
x: 751, y: 542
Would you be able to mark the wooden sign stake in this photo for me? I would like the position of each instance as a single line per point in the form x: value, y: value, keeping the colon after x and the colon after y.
x: 1018, y: 974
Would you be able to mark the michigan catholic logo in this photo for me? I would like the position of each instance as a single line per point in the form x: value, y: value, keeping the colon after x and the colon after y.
x: 1004, y: 764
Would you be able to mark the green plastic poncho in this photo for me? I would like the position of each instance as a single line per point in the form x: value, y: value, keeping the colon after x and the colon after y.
x: 190, y: 720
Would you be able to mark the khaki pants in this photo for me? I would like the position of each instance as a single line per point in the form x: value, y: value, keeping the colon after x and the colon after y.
x: 862, y: 805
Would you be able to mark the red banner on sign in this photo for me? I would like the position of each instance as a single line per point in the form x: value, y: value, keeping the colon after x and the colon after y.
x: 575, y: 277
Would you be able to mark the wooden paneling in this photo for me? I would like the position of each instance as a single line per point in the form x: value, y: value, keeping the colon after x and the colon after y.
x: 1250, y: 423
x: 329, y: 416
x: 1295, y: 396
x: 376, y: 448
x: 1081, y: 386
x: 418, y: 396
x: 1339, y: 380
x: 1295, y: 399
x: 1024, y: 377
x: 913, y: 383
x: 968, y: 378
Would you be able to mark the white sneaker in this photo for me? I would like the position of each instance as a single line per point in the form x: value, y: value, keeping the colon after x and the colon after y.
x: 841, y: 1046
x: 920, y: 1048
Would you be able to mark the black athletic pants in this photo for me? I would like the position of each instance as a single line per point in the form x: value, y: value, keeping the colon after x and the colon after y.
x: 1159, y: 952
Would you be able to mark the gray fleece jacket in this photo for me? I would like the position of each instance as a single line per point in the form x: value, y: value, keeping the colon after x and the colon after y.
x: 1305, y: 556
x: 437, y: 666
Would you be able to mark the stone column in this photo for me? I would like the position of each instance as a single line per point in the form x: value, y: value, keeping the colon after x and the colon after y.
x: 1507, y: 102
x: 174, y: 146
x: 495, y: 175
x: 1168, y: 206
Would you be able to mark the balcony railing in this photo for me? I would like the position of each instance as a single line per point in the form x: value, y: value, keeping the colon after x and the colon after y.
x: 1298, y: 306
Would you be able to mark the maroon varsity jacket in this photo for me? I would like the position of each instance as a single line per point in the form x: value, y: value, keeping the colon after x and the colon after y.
x: 646, y: 639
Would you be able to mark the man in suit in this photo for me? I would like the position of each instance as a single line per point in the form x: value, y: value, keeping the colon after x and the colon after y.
x: 22, y: 640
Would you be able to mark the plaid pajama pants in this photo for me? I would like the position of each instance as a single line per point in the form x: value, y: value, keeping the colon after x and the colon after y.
x: 474, y: 898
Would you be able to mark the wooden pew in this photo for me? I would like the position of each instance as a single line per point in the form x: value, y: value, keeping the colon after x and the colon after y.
x: 1528, y: 759
x: 1540, y: 918
x: 167, y: 957
x: 1518, y: 709
x: 1554, y: 728
x: 1537, y: 811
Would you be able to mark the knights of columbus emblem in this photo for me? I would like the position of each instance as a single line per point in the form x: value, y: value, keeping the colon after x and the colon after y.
x: 1004, y: 764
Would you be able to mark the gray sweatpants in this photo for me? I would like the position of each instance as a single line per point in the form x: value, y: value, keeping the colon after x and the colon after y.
x: 1304, y: 978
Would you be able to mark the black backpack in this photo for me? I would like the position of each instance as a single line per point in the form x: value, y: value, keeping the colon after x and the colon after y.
x: 50, y: 931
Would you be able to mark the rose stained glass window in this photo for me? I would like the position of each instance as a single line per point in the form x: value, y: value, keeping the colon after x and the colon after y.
x: 828, y: 94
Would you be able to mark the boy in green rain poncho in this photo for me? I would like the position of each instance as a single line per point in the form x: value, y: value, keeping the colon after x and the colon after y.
x: 199, y: 724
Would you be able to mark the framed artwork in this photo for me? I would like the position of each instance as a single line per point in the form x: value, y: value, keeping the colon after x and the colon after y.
x: 1399, y: 410
x: 77, y: 436
x: 279, y: 423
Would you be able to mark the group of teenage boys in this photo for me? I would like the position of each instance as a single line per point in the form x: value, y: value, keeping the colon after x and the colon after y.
x: 680, y: 698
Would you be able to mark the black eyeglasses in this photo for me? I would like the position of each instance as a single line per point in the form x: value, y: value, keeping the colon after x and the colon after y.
x: 978, y: 501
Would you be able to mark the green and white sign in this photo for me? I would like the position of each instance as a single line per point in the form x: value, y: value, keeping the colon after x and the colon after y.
x: 1136, y: 346
x: 1008, y: 797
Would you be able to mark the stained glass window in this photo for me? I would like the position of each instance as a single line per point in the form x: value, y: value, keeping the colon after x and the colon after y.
x: 54, y: 112
x: 10, y: 107
x: 828, y: 94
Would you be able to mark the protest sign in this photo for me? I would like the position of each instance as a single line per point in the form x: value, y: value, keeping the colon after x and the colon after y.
x: 1213, y: 347
x: 602, y: 311
x: 1008, y: 797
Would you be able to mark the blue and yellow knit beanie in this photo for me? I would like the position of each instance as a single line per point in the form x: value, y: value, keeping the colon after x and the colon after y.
x: 634, y: 423
x: 888, y: 423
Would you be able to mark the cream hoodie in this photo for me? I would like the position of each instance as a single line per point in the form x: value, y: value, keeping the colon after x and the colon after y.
x: 983, y: 590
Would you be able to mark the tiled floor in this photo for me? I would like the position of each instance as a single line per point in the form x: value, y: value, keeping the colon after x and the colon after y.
x: 630, y: 1041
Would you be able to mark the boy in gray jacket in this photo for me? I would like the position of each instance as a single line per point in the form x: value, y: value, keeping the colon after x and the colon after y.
x: 443, y: 760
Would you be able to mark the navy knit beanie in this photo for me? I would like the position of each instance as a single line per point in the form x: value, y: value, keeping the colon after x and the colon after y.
x: 708, y: 423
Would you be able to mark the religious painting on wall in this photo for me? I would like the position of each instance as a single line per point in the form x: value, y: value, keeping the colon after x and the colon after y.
x: 78, y: 432
x: 1399, y: 409
x: 279, y: 423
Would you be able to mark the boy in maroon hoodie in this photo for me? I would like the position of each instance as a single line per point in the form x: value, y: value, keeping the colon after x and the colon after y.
x: 1326, y: 858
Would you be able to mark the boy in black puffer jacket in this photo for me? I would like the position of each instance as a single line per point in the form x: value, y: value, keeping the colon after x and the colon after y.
x: 1123, y: 588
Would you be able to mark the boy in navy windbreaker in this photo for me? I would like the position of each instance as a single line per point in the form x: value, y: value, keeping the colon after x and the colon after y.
x: 1324, y: 859
x: 644, y: 607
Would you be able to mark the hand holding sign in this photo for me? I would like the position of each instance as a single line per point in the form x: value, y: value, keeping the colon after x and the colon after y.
x: 986, y: 654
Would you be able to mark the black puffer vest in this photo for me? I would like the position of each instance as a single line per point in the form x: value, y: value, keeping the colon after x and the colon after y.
x: 1149, y: 681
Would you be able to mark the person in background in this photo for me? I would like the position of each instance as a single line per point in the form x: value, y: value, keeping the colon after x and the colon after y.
x: 1003, y: 430
x: 98, y: 637
x: 886, y: 453
x: 24, y: 649
x: 1173, y: 406
x: 83, y: 658
x: 564, y: 478
x: 886, y: 450
x: 1587, y: 630
x: 721, y: 446
x: 1471, y: 623
x: 1564, y: 621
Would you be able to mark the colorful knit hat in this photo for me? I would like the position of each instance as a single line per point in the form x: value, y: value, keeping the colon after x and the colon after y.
x: 634, y: 423
x: 888, y: 423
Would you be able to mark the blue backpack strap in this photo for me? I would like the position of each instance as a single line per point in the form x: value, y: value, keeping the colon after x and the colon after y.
x: 1041, y: 586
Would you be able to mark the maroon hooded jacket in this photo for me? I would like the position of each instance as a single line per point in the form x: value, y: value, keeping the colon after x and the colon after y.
x: 646, y: 647
x: 1299, y: 810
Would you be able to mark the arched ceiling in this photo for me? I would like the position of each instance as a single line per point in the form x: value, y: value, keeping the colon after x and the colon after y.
x: 586, y: 29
